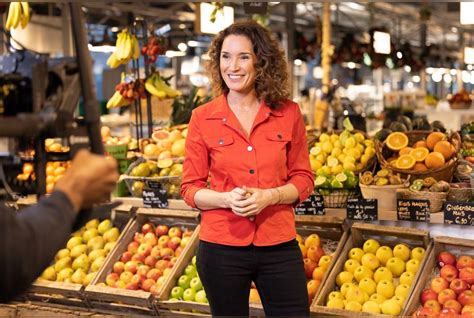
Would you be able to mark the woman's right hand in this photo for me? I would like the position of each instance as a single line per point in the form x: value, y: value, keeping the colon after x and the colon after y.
x: 234, y: 198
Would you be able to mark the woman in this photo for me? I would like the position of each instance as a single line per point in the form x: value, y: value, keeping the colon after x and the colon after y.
x: 250, y: 142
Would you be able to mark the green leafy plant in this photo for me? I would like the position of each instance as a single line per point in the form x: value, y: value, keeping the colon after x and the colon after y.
x: 184, y: 105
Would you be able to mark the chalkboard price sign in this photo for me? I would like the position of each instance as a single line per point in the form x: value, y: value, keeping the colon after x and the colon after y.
x: 155, y: 198
x: 314, y: 205
x: 362, y: 209
x: 413, y: 210
x: 461, y: 213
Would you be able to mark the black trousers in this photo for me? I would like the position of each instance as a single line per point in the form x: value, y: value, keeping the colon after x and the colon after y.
x: 226, y: 273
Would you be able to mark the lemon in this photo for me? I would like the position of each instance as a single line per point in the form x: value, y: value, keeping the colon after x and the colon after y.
x: 315, y: 151
x: 354, y: 153
x: 359, y: 137
x: 321, y: 157
x: 334, y: 138
x: 320, y: 182
x: 337, y: 143
x: 349, y: 159
x: 347, y: 124
x: 349, y: 166
x: 360, y: 147
x: 337, y: 169
x: 344, y: 136
x: 324, y: 137
x: 364, y: 159
x: 341, y: 157
x: 369, y: 143
x: 336, y: 152
x: 332, y: 161
x: 341, y: 177
x: 350, y: 143
x: 327, y: 147
x: 315, y: 164
x: 336, y: 184
x: 369, y: 151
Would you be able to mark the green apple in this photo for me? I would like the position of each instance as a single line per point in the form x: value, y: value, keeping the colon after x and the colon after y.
x: 201, y: 297
x: 109, y: 246
x: 368, y: 285
x: 402, y: 252
x: 73, y: 241
x: 81, y: 262
x: 177, y: 292
x: 184, y: 281
x: 418, y: 253
x: 95, y: 254
x: 189, y: 294
x: 97, y: 263
x: 196, y: 283
x: 383, y: 254
x: 191, y: 271
x: 111, y: 235
x: 78, y: 250
x: 356, y: 253
x: 65, y: 274
x: 104, y: 226
x: 193, y: 261
x: 90, y: 233
x: 62, y: 264
x: 382, y: 273
x: 402, y: 290
x: 92, y: 224
x: 62, y: 253
x: 362, y: 272
x: 396, y: 266
x: 350, y: 265
x: 386, y: 289
x: 391, y: 307
x: 78, y: 276
x: 371, y: 307
x: 412, y: 266
x: 371, y: 246
x: 379, y: 299
x: 335, y: 303
x: 407, y: 278
x: 49, y: 273
x: 370, y: 261
x: 95, y: 243
x: 88, y: 279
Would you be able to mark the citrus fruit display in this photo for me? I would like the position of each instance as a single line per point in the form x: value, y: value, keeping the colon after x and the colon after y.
x: 381, y: 178
x: 55, y: 170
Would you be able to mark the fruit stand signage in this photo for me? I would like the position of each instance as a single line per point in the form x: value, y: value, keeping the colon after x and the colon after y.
x: 314, y: 205
x: 461, y: 213
x: 413, y: 210
x: 155, y: 196
x: 362, y: 209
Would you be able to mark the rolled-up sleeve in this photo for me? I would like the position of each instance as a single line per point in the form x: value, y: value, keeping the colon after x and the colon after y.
x: 299, y: 168
x: 196, y: 162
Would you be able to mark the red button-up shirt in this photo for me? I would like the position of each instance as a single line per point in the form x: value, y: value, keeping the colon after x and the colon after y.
x: 274, y: 154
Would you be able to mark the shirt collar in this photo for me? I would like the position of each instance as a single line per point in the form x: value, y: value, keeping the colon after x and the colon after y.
x: 220, y: 108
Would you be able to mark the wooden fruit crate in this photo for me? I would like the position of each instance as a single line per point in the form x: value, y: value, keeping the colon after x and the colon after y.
x: 68, y: 294
x: 385, y: 235
x: 453, y: 245
x: 328, y: 228
x: 137, y: 301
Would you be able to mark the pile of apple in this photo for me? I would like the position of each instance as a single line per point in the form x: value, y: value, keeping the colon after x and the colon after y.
x: 316, y: 262
x: 84, y: 254
x: 189, y: 286
x: 376, y: 279
x: 451, y: 294
x: 148, y: 260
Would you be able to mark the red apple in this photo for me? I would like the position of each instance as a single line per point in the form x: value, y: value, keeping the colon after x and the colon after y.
x: 472, y: 287
x: 118, y: 267
x: 446, y: 258
x: 154, y: 274
x: 155, y: 251
x: 133, y: 247
x: 147, y: 228
x: 178, y: 251
x: 314, y: 253
x: 138, y: 279
x: 468, y: 308
x: 454, y: 304
x: 448, y: 272
x: 309, y: 267
x: 445, y: 295
x: 144, y: 249
x: 175, y: 231
x: 138, y: 238
x: 184, y: 241
x: 448, y: 313
x: 467, y: 274
x: 162, y: 264
x: 458, y: 285
x: 143, y: 270
x: 433, y: 304
x: 465, y: 261
x: 163, y: 241
x: 150, y: 261
x: 428, y: 294
x: 126, y: 256
x: 161, y: 230
x: 131, y: 266
x: 131, y: 286
x: 187, y: 233
x: 438, y: 284
x: 126, y: 277
x: 111, y: 279
x: 166, y: 252
x: 173, y: 261
x: 150, y: 238
x: 174, y: 242
x: 466, y: 297
x: 424, y: 312
x: 139, y: 258
x: 147, y: 283
x: 155, y: 289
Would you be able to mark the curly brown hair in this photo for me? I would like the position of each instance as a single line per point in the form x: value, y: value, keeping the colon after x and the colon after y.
x: 272, y: 79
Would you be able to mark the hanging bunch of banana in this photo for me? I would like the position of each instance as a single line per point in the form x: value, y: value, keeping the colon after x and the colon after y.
x: 118, y: 99
x: 156, y: 86
x: 126, y: 49
x: 18, y: 15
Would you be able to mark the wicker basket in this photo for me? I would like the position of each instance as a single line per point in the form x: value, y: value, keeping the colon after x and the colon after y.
x: 444, y: 172
x: 338, y: 198
x: 460, y: 105
x: 436, y: 199
x: 386, y: 195
x: 463, y: 193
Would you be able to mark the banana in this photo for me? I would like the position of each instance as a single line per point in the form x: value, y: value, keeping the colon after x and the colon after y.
x: 161, y: 85
x: 136, y: 48
x: 17, y: 14
x: 112, y: 102
x: 119, y: 45
x: 25, y: 16
x: 113, y: 61
x: 12, y: 13
x: 150, y: 87
x: 127, y: 47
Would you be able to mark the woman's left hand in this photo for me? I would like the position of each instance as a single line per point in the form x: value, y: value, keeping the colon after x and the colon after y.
x: 258, y: 200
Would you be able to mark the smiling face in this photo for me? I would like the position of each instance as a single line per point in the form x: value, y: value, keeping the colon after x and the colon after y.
x: 237, y: 61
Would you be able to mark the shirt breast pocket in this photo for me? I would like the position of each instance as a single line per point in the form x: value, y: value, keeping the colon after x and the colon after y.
x: 220, y: 148
x: 276, y: 143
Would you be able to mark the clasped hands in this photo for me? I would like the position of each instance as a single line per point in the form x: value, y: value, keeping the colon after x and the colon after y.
x: 248, y: 202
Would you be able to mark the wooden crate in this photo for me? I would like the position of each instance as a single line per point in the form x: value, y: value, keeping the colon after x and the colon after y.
x: 453, y: 245
x: 69, y: 294
x: 385, y: 235
x: 328, y: 228
x: 137, y: 301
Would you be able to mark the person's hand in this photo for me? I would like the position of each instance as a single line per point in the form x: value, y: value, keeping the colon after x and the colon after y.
x: 234, y: 197
x: 256, y: 200
x: 90, y: 179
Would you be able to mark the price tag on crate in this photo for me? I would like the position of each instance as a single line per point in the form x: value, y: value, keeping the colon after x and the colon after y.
x: 313, y: 205
x: 461, y: 213
x: 362, y: 209
x: 413, y: 210
x: 155, y: 196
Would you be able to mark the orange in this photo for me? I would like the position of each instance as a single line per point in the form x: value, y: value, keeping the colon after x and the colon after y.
x: 419, y: 154
x: 419, y: 167
x: 397, y: 141
x: 421, y: 144
x: 445, y: 148
x: 312, y: 287
x: 405, y: 162
x: 405, y: 151
x: 434, y: 138
x: 318, y: 273
x: 434, y: 160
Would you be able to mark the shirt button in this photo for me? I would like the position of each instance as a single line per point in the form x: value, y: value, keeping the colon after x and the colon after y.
x: 249, y: 148
x: 221, y: 141
x: 252, y: 171
x: 279, y: 136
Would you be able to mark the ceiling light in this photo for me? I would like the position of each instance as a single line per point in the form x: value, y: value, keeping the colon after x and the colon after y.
x: 298, y: 62
x: 469, y: 67
x: 429, y: 70
x: 114, y: 29
x: 416, y: 79
x: 454, y: 29
x: 466, y: 76
x: 101, y: 48
x: 182, y: 26
x: 182, y: 47
x: 171, y: 53
x: 437, y: 77
x: 381, y: 42
x: 466, y: 16
x: 318, y: 72
x: 469, y: 55
x: 351, y: 65
x: 447, y: 78
x: 399, y: 55
x: 407, y: 68
x: 453, y: 72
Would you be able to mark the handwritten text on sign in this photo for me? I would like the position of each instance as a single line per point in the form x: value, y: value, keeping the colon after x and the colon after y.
x: 413, y: 210
x: 155, y: 198
x: 362, y: 209
x: 461, y: 213
x: 314, y: 205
